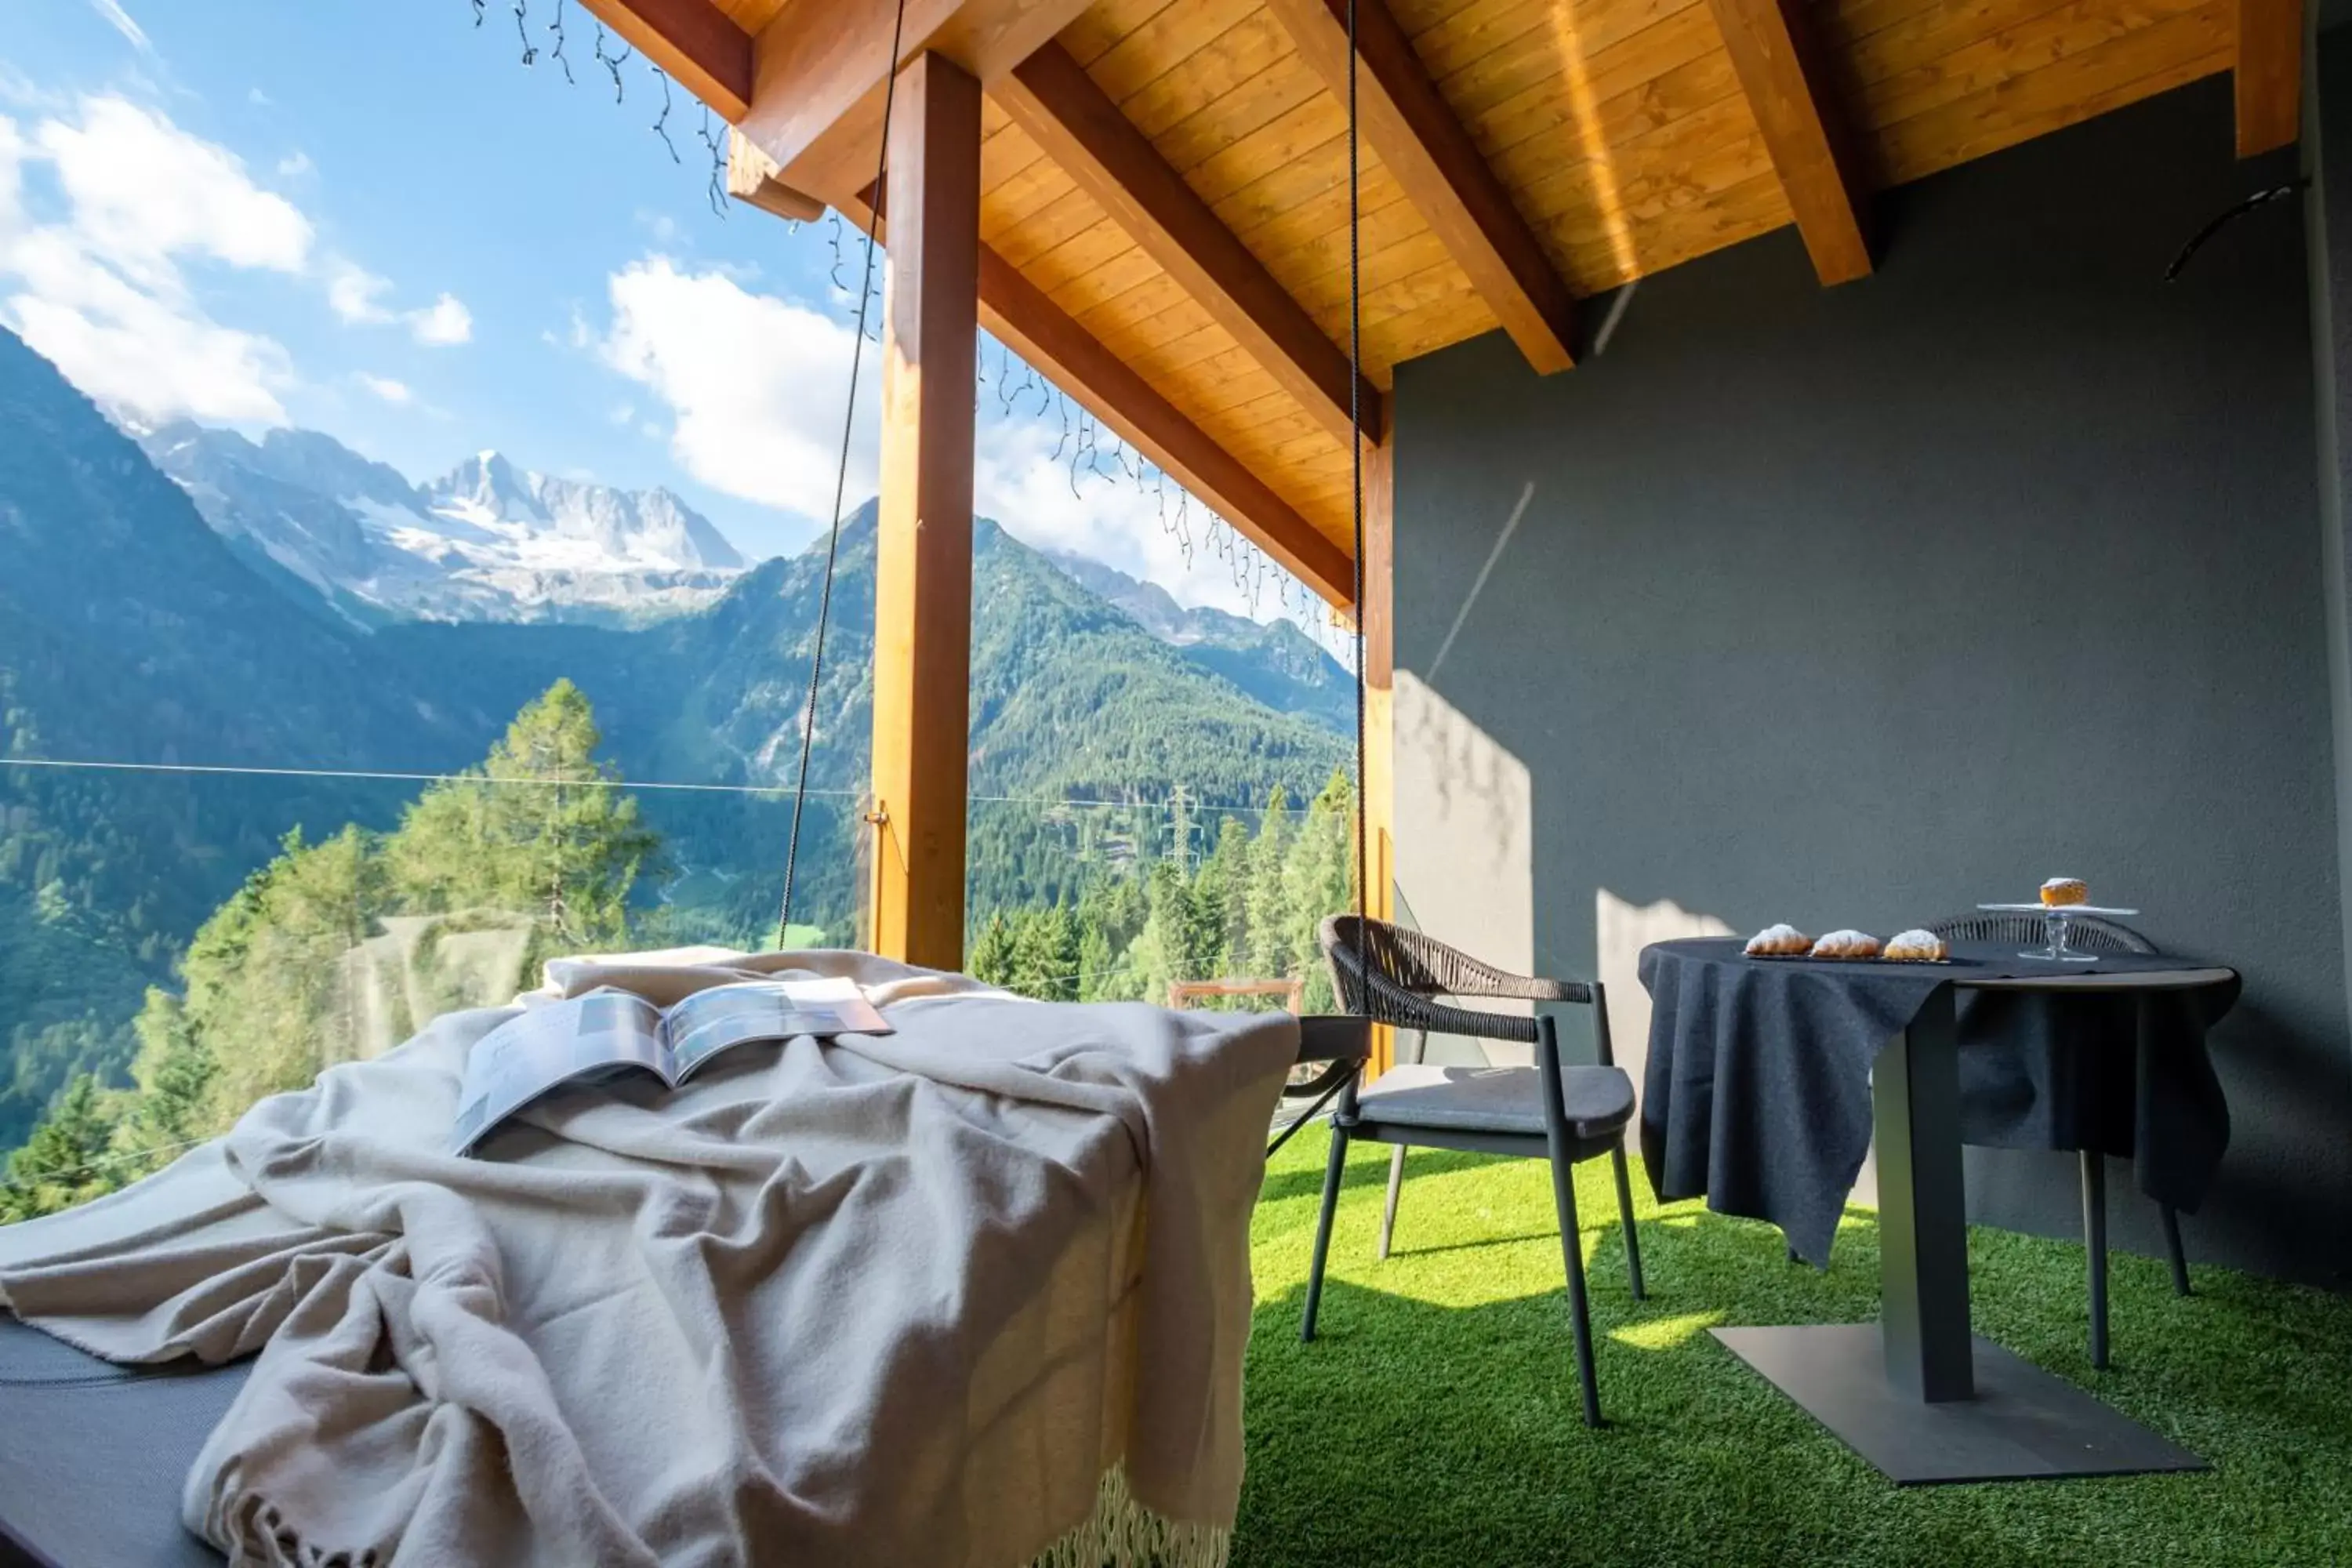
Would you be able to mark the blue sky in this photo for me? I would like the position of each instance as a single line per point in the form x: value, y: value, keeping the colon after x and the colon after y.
x: 373, y: 220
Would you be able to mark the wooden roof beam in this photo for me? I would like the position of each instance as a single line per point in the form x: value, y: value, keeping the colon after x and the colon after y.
x: 697, y: 43
x: 1405, y: 119
x: 753, y: 178
x: 1051, y: 97
x: 2268, y: 80
x: 1765, y: 42
x: 819, y: 66
x: 1024, y: 319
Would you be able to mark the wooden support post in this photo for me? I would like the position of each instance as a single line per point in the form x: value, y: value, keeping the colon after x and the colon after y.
x: 922, y: 610
x: 1379, y: 613
x: 2268, y: 80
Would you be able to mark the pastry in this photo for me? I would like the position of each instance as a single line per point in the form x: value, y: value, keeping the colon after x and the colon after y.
x: 1778, y: 941
x: 2060, y: 890
x: 1846, y: 944
x: 1917, y: 947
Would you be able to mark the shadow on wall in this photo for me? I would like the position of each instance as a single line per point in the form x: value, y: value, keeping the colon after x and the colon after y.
x: 1465, y: 865
x: 1621, y: 930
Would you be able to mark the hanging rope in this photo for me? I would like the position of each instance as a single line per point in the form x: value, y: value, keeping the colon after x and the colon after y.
x: 840, y: 487
x: 1356, y: 457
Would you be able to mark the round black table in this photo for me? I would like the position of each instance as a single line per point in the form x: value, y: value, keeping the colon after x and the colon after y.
x: 1917, y: 1394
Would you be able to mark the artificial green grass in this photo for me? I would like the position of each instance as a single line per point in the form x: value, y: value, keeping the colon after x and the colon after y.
x: 1434, y: 1420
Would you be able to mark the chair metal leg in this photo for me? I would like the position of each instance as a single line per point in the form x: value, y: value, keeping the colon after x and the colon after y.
x: 1571, y: 1245
x: 1333, y: 1170
x: 2172, y: 1249
x: 2095, y: 1246
x: 1396, y: 1187
x: 1625, y: 1218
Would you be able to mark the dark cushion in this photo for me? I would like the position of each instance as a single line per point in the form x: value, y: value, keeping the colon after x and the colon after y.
x: 1599, y: 1101
x: 93, y: 1455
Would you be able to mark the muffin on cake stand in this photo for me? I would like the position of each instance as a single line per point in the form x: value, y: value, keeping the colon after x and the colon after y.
x: 2063, y: 900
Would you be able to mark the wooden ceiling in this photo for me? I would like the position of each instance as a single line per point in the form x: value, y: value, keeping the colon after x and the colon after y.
x: 1155, y: 162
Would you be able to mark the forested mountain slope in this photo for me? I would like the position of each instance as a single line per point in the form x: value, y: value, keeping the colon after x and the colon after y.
x: 131, y: 633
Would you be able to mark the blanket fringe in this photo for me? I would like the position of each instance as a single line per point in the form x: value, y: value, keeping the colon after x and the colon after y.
x: 1123, y: 1533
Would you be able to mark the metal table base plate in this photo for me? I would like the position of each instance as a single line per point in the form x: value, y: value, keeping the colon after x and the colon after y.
x: 2023, y: 1424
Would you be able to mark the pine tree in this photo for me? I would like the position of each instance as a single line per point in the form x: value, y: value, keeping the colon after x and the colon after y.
x: 1158, y: 954
x: 1271, y: 948
x: 538, y: 832
x: 1098, y: 981
x: 990, y: 960
x: 1223, y: 883
x: 1045, y: 963
x: 65, y: 1161
x: 169, y: 1109
x: 1319, y: 880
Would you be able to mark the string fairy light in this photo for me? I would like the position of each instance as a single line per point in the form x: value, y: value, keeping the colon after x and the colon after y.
x: 612, y: 62
x: 556, y: 54
x: 661, y: 121
x: 717, y: 147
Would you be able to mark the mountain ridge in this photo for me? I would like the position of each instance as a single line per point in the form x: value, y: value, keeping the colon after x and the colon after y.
x: 1273, y: 661
x: 489, y: 541
x: 486, y: 540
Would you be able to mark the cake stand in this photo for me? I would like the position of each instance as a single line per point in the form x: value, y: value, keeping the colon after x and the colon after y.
x: 2058, y: 921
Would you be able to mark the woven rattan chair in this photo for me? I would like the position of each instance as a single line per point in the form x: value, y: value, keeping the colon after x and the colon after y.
x: 2091, y: 934
x: 1566, y: 1114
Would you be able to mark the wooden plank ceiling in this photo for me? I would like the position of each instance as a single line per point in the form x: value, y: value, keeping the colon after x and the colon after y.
x: 1623, y: 131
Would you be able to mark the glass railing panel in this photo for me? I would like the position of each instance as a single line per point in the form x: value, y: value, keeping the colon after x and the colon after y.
x: 176, y: 944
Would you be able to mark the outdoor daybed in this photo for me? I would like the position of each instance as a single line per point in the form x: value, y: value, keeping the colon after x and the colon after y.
x: 975, y: 1292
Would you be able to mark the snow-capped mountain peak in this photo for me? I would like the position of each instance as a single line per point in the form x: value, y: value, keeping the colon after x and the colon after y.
x: 568, y: 521
x: 487, y: 540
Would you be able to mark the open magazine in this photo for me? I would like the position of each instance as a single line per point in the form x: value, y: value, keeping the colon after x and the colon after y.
x: 606, y: 1033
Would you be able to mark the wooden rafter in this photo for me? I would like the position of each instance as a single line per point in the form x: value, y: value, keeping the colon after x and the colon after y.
x: 1407, y: 122
x: 1024, y: 319
x: 697, y: 43
x: 1765, y: 40
x: 2268, y: 76
x: 1051, y: 97
x: 820, y: 65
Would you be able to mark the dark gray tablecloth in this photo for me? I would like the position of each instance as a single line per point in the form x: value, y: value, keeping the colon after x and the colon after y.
x: 1757, y: 1089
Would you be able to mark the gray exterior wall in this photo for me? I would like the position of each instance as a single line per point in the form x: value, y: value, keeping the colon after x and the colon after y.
x: 1857, y: 607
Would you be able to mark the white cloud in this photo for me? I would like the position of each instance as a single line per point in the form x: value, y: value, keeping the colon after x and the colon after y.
x: 258, y: 99
x: 97, y: 280
x: 119, y: 20
x: 357, y: 297
x: 354, y: 294
x: 143, y: 193
x: 444, y: 323
x: 98, y: 289
x: 296, y: 164
x: 753, y: 387
x: 395, y: 393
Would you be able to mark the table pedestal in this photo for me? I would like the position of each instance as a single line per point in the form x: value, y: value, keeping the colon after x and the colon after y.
x: 1916, y: 1394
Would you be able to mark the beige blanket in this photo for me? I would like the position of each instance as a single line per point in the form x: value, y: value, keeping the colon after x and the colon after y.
x: 830, y: 1303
